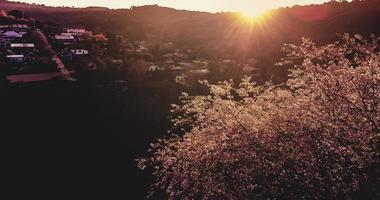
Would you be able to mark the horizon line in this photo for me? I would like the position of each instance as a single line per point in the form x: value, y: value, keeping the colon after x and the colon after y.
x: 162, y: 6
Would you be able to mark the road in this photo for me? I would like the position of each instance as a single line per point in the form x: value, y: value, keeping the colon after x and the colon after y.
x: 64, y: 71
x: 32, y: 77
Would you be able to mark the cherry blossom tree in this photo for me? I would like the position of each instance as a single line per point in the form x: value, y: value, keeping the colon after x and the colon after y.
x: 311, y: 138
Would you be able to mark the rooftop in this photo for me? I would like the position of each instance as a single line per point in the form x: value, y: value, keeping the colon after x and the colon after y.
x: 22, y: 45
x: 64, y: 37
x: 12, y: 34
x: 15, y: 56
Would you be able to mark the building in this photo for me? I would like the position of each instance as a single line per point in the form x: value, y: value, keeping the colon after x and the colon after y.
x: 20, y: 26
x: 22, y: 48
x: 11, y: 34
x: 117, y: 61
x: 100, y: 38
x: 75, y: 31
x: 181, y: 79
x: 200, y: 71
x: 185, y: 64
x: 65, y: 39
x: 79, y: 51
x: 22, y: 45
x: 153, y: 68
x: 7, y: 37
x: 15, y: 59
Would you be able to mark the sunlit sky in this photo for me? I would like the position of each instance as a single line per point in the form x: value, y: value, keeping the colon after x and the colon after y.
x: 200, y: 5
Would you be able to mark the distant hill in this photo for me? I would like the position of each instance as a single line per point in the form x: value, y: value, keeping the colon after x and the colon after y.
x: 319, y: 22
x: 11, y: 5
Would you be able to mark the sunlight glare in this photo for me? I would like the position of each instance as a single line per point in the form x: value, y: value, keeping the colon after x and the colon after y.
x: 255, y: 10
x: 252, y: 14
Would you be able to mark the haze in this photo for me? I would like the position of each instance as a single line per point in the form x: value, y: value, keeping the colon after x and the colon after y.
x: 199, y: 5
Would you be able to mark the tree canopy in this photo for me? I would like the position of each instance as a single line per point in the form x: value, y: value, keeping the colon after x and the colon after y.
x: 314, y: 137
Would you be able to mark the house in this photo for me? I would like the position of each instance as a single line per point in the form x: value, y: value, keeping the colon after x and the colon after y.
x: 11, y: 34
x: 200, y: 71
x: 185, y: 64
x: 168, y: 55
x: 24, y: 26
x: 22, y: 48
x: 117, y: 61
x: 79, y: 51
x: 16, y: 59
x: 68, y: 34
x: 180, y: 79
x: 200, y: 63
x: 22, y: 45
x: 75, y: 31
x: 65, y: 39
x: 142, y: 47
x: 100, y: 38
x: 176, y: 68
x: 153, y: 68
x: 19, y: 27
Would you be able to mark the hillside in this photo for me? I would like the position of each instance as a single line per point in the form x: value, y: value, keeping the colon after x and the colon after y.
x: 220, y: 35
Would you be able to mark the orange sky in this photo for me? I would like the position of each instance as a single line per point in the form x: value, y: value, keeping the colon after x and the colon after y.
x: 201, y: 5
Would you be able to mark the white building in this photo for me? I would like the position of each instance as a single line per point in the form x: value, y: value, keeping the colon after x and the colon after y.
x: 117, y: 61
x: 16, y: 58
x: 153, y: 68
x: 66, y: 34
x: 79, y: 51
x: 76, y: 31
x: 200, y: 71
x: 180, y: 79
x: 64, y: 37
x: 185, y: 64
x: 23, y: 26
x: 7, y: 37
x: 22, y: 45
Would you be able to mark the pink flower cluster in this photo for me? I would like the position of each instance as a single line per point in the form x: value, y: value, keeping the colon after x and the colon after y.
x: 312, y: 138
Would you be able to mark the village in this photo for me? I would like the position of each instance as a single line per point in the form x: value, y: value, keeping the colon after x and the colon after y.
x: 31, y: 53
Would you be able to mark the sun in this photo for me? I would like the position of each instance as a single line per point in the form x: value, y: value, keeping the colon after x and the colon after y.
x: 253, y: 13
